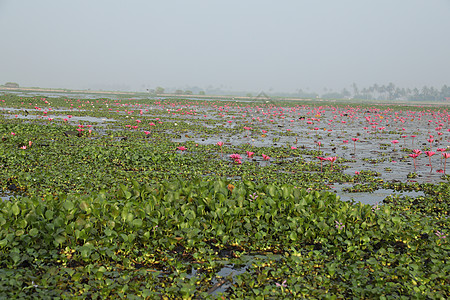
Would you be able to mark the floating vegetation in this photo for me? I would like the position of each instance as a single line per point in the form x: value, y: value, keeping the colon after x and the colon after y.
x: 190, y: 199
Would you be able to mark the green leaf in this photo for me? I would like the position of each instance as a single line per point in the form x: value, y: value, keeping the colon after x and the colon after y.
x: 15, y: 256
x: 293, y: 236
x: 137, y: 222
x: 59, y: 240
x: 49, y: 214
x: 68, y: 205
x: 15, y: 209
x: 33, y: 232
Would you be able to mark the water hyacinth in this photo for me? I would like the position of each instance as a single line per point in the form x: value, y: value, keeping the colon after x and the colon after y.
x: 194, y: 207
x: 339, y: 225
x: 283, y: 284
x: 440, y: 235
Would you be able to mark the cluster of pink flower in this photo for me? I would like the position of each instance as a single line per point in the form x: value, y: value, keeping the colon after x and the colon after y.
x: 331, y: 159
x: 237, y: 157
x: 417, y: 152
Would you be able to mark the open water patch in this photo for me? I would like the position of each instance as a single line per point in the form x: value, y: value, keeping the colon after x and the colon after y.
x: 372, y: 198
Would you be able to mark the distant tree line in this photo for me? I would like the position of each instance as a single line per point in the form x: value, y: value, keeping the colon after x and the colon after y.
x: 374, y: 92
x: 392, y: 92
x: 11, y: 85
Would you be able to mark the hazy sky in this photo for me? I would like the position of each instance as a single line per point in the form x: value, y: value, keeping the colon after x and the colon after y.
x: 251, y: 45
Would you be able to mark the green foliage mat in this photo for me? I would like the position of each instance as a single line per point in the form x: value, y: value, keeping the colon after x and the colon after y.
x: 173, y: 239
x: 120, y: 212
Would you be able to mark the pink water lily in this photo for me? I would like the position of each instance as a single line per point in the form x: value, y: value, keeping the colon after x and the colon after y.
x: 354, y: 144
x: 181, y: 148
x: 235, y: 156
x: 322, y: 159
x: 331, y: 159
x: 250, y: 154
x: 430, y: 154
x: 394, y: 142
x: 265, y: 157
x: 220, y: 144
x: 445, y: 155
x: 414, y: 155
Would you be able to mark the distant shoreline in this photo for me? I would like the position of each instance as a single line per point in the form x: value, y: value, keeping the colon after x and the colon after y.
x: 225, y: 97
x: 61, y: 91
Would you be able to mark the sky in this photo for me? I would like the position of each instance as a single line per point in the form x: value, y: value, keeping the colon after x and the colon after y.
x: 239, y: 45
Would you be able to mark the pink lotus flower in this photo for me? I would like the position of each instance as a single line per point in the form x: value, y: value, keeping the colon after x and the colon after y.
x: 293, y: 147
x: 250, y: 154
x: 23, y: 147
x: 322, y: 159
x: 394, y: 142
x: 414, y: 155
x: 235, y: 156
x: 354, y: 144
x: 220, y: 144
x: 265, y: 157
x: 181, y: 148
x: 430, y: 154
x: 331, y: 159
x: 445, y: 155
